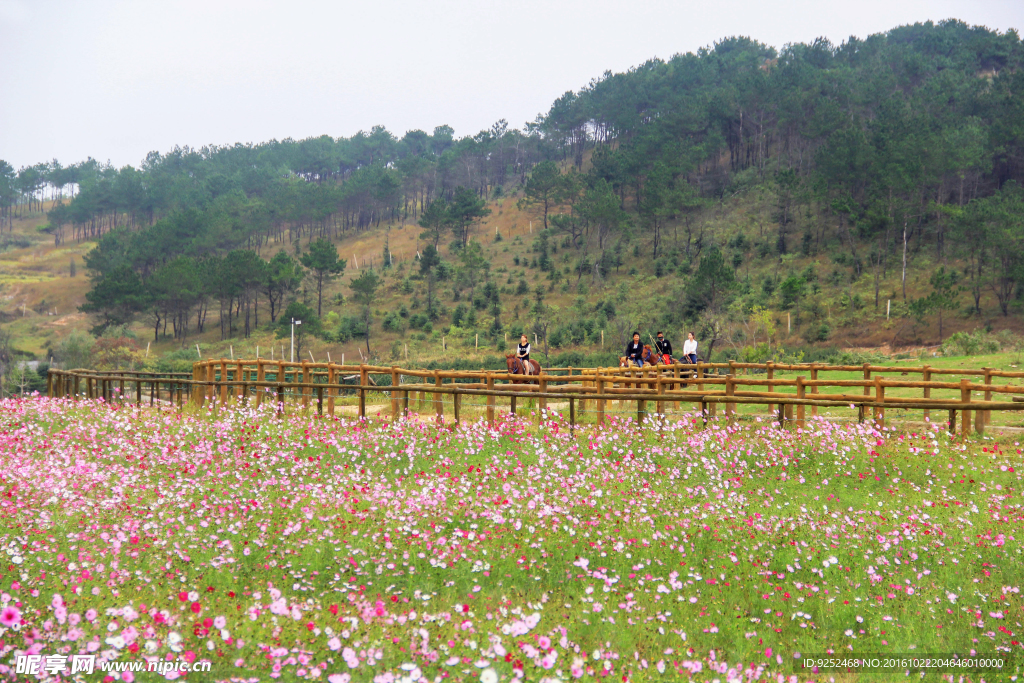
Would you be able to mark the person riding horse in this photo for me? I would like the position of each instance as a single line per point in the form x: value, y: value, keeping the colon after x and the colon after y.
x: 664, y: 349
x: 520, y: 363
x: 635, y: 351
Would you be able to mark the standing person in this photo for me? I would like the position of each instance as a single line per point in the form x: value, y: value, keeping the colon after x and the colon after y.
x: 690, y: 349
x: 523, y: 354
x: 635, y: 351
x: 664, y: 348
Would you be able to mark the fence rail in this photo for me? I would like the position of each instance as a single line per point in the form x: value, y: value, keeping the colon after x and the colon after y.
x: 702, y: 385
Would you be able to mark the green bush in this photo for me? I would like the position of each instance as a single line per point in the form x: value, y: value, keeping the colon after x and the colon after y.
x: 419, y: 321
x: 393, y: 322
x: 969, y: 344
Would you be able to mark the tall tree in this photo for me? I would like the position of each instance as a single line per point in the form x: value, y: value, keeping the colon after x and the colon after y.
x: 435, y: 221
x: 543, y: 189
x: 365, y: 292
x: 465, y: 209
x: 283, y: 276
x: 322, y: 259
x: 429, y: 262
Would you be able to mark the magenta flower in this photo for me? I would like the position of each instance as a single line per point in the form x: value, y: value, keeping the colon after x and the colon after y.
x: 10, y: 616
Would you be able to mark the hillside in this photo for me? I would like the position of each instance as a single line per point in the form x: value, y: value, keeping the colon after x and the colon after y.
x: 40, y: 300
x: 778, y: 203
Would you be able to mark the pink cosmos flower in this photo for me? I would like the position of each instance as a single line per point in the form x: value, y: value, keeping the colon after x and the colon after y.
x: 9, y: 616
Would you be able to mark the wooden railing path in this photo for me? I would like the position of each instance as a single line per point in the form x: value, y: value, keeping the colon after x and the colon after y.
x: 703, y: 385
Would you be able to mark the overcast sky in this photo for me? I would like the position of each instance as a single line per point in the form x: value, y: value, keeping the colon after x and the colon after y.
x: 115, y: 79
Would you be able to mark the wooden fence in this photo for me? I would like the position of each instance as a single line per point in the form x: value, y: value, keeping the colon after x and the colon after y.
x: 704, y: 386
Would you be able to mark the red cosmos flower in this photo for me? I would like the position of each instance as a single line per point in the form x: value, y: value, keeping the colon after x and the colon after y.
x: 207, y: 622
x: 196, y: 607
x: 183, y: 596
x: 333, y: 609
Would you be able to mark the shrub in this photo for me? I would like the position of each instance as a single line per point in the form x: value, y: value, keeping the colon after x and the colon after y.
x: 419, y: 321
x: 969, y: 344
x: 393, y: 322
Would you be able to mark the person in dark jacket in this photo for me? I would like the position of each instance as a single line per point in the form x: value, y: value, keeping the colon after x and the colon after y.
x: 664, y: 348
x: 635, y: 351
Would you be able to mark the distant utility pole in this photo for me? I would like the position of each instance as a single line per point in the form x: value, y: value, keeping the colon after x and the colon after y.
x: 294, y: 323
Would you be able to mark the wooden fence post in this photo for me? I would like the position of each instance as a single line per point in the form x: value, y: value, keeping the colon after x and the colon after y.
x: 770, y: 375
x: 438, y: 405
x: 224, y: 381
x: 661, y: 391
x: 394, y: 392
x: 455, y: 400
x: 198, y: 391
x: 281, y: 379
x: 332, y: 378
x: 879, y: 398
x: 814, y: 389
x: 319, y: 400
x: 730, y: 390
x: 926, y: 376
x: 951, y: 423
x: 675, y: 385
x: 362, y: 402
x: 280, y: 400
x: 542, y: 402
x: 700, y: 375
x: 490, y: 398
x: 801, y: 394
x: 867, y: 390
x: 211, y: 376
x: 261, y: 375
x: 584, y: 383
x: 138, y: 392
x: 600, y: 400
x: 572, y: 415
x: 965, y: 413
x: 987, y: 414
x: 240, y: 377
x: 302, y: 390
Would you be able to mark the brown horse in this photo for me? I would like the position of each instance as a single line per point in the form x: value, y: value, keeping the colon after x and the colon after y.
x: 516, y: 366
x: 647, y: 356
x: 650, y: 357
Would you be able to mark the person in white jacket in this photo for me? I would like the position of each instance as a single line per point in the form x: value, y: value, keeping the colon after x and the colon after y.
x: 690, y: 349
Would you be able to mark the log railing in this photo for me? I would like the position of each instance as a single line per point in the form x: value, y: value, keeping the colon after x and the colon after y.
x: 703, y: 386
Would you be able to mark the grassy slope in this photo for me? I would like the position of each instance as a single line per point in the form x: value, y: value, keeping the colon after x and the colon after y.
x: 36, y: 277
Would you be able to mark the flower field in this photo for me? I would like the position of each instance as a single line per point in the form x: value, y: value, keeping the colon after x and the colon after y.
x: 300, y: 548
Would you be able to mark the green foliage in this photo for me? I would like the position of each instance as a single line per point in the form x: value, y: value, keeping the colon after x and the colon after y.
x: 393, y: 322
x: 970, y: 344
x: 73, y: 351
x: 322, y: 259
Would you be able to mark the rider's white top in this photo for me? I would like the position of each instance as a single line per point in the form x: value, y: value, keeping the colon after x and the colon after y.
x: 689, y: 346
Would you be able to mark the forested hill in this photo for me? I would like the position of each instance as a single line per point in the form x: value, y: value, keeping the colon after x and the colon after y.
x: 902, y: 150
